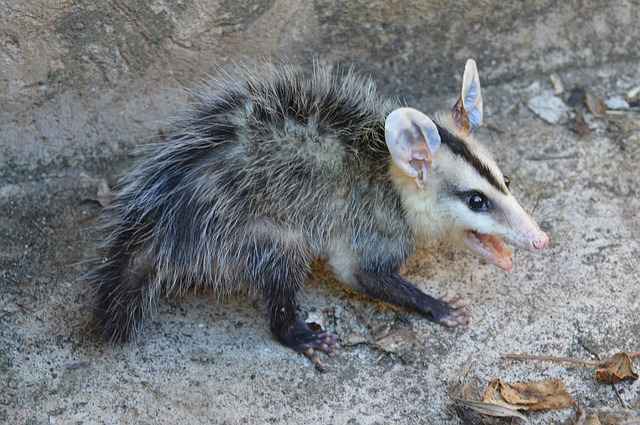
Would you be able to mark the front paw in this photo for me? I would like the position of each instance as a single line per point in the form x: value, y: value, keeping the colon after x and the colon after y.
x: 309, y: 339
x: 451, y: 311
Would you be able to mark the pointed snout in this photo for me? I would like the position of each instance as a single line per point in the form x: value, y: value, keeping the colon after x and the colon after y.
x: 540, y: 242
x: 527, y: 233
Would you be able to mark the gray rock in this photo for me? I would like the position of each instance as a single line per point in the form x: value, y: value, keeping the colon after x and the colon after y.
x: 549, y: 107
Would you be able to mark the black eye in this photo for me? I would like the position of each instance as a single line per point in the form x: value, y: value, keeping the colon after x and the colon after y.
x: 507, y: 181
x: 478, y: 202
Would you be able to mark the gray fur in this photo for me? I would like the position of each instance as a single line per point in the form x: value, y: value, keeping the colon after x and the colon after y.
x: 266, y: 171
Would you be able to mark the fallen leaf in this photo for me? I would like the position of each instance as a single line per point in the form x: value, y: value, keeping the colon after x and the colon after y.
x: 581, y: 127
x: 468, y: 390
x: 395, y: 342
x: 549, y: 394
x: 582, y: 418
x: 617, y: 368
x: 492, y: 395
x: 593, y: 420
x: 606, y: 416
x: 491, y: 409
x: 595, y: 105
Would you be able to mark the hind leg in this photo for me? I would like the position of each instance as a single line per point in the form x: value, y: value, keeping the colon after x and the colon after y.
x: 281, y: 271
x: 125, y: 295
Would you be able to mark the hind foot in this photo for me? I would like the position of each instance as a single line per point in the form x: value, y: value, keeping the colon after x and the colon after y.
x: 309, y: 339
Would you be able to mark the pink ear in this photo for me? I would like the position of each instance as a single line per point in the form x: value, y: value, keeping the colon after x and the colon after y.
x: 467, y: 112
x: 412, y: 139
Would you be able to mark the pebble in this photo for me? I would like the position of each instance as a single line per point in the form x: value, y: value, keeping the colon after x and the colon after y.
x: 616, y: 102
x: 549, y: 107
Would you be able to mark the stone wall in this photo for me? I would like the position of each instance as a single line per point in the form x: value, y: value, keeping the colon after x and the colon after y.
x: 83, y: 81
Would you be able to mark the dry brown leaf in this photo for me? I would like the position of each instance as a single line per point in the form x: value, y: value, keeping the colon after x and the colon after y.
x: 595, y: 105
x: 492, y: 395
x: 606, y: 416
x: 549, y: 394
x: 581, y: 127
x: 593, y: 420
x: 618, y: 416
x: 395, y: 341
x: 617, y: 368
x: 491, y: 409
x: 587, y: 419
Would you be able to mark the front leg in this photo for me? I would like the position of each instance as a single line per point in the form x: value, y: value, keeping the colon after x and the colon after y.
x: 392, y: 288
x: 293, y: 332
x: 280, y: 271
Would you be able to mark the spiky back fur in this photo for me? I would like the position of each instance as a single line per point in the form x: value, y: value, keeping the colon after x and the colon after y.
x: 269, y: 165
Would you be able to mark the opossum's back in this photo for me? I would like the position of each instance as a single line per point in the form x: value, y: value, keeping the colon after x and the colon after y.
x: 276, y: 152
x: 269, y: 142
x: 276, y: 137
x: 282, y: 114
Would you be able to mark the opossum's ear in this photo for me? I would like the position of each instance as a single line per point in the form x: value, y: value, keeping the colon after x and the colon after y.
x: 412, y: 139
x: 467, y: 112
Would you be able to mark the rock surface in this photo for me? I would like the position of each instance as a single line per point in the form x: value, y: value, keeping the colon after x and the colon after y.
x: 82, y: 83
x: 549, y: 107
x: 616, y: 102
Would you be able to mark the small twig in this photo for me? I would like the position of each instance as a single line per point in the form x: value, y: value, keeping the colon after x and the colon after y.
x: 572, y: 360
x: 577, y: 362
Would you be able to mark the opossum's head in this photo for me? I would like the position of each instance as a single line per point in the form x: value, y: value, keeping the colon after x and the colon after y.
x: 450, y: 185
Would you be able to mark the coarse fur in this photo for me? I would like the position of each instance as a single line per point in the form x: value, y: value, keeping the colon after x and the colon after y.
x: 270, y: 167
x: 273, y: 167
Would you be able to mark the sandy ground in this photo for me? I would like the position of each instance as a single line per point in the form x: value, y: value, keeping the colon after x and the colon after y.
x: 202, y: 361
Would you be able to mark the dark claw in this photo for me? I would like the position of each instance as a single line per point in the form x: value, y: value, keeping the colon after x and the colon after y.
x: 452, y: 311
x: 309, y: 339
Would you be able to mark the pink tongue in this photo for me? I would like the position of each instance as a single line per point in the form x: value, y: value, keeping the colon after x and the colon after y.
x: 501, y: 252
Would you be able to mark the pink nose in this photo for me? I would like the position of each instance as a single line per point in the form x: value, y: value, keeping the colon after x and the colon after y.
x: 542, y: 242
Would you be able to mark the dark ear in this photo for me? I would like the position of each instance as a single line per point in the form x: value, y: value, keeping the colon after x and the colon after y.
x: 412, y: 139
x: 467, y: 112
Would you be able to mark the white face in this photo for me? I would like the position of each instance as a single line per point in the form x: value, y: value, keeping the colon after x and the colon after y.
x: 451, y: 186
x: 478, y: 213
x: 457, y: 202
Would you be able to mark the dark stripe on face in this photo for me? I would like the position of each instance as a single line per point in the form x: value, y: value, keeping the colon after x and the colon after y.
x: 460, y: 148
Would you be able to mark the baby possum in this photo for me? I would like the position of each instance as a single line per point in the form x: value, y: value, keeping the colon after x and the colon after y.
x: 273, y: 168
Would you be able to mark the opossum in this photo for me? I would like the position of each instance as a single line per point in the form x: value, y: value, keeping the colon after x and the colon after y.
x: 274, y: 167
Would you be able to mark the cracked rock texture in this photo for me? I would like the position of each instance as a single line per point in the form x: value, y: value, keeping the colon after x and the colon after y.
x: 82, y: 83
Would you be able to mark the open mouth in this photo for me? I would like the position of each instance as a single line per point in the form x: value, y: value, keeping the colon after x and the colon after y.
x: 491, y: 248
